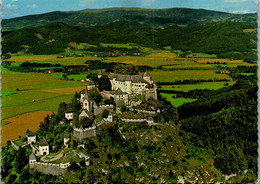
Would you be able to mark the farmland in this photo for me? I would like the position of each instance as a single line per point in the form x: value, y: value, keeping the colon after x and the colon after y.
x: 31, y: 92
x: 172, y: 76
x: 19, y: 89
x: 210, y: 60
x: 20, y: 124
x: 201, y: 85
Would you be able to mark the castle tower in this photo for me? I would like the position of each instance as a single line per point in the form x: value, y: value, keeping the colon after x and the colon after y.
x: 147, y: 77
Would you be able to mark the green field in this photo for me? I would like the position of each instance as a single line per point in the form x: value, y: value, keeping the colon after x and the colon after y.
x: 201, y: 85
x: 76, y: 77
x: 20, y: 89
x: 120, y: 45
x: 176, y: 102
x: 172, y: 76
x: 7, y: 92
x: 205, y: 55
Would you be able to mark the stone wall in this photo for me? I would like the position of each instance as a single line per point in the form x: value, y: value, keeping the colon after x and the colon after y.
x: 49, y: 168
x: 151, y: 93
x: 101, y: 108
x: 81, y: 133
x: 143, y: 111
x: 137, y: 120
x: 16, y: 147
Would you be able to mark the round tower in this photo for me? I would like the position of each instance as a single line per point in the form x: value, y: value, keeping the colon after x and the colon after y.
x: 147, y: 77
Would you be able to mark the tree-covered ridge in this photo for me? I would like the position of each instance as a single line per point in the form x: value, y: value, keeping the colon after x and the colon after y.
x: 225, y: 121
x: 152, y: 17
x: 228, y: 40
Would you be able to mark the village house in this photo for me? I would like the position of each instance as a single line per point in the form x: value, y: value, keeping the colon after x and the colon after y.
x: 69, y: 115
x: 100, y: 74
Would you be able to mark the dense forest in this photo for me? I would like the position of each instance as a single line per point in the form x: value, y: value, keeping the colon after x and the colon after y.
x: 225, y: 121
x: 227, y: 40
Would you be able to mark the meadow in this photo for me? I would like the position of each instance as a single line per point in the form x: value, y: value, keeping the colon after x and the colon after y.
x: 201, y: 85
x: 120, y: 45
x: 172, y: 76
x: 176, y: 102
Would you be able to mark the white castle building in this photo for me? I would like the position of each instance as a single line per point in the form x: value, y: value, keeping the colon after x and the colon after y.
x: 134, y: 84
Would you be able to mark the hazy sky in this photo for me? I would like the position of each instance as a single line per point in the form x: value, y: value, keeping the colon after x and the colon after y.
x: 17, y: 8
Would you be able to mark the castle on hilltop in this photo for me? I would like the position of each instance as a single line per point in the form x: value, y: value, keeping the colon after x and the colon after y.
x: 125, y: 90
x: 134, y: 84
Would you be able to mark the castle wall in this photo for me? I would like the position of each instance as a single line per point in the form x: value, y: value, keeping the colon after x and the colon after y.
x: 101, y: 108
x: 81, y: 133
x: 49, y: 168
x: 143, y: 111
x: 84, y: 133
x: 16, y: 147
x: 151, y: 93
x: 136, y: 120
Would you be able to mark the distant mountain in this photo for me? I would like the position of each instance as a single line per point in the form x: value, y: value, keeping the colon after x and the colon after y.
x: 151, y: 17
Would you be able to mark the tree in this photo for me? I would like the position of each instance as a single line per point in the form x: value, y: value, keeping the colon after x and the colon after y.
x: 105, y: 113
x: 110, y: 101
x: 94, y: 95
x: 89, y: 145
x: 74, y: 144
x: 85, y: 122
x: 104, y: 84
x: 61, y: 110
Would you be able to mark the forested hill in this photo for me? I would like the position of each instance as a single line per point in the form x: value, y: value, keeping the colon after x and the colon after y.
x: 230, y: 40
x: 225, y: 121
x: 151, y: 17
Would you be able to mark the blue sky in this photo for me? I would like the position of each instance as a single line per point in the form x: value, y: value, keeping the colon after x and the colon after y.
x: 17, y: 8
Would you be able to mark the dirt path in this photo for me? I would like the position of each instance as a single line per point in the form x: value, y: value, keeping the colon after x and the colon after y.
x: 56, y: 157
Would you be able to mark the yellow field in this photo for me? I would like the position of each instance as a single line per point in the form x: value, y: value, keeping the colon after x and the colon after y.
x: 205, y: 60
x: 20, y: 124
x: 51, y: 59
x: 32, y: 58
x: 66, y: 91
x: 154, y: 59
x: 248, y: 30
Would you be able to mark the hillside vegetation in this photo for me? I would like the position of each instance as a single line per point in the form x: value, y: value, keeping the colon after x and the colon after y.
x: 227, y: 40
x: 152, y: 17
